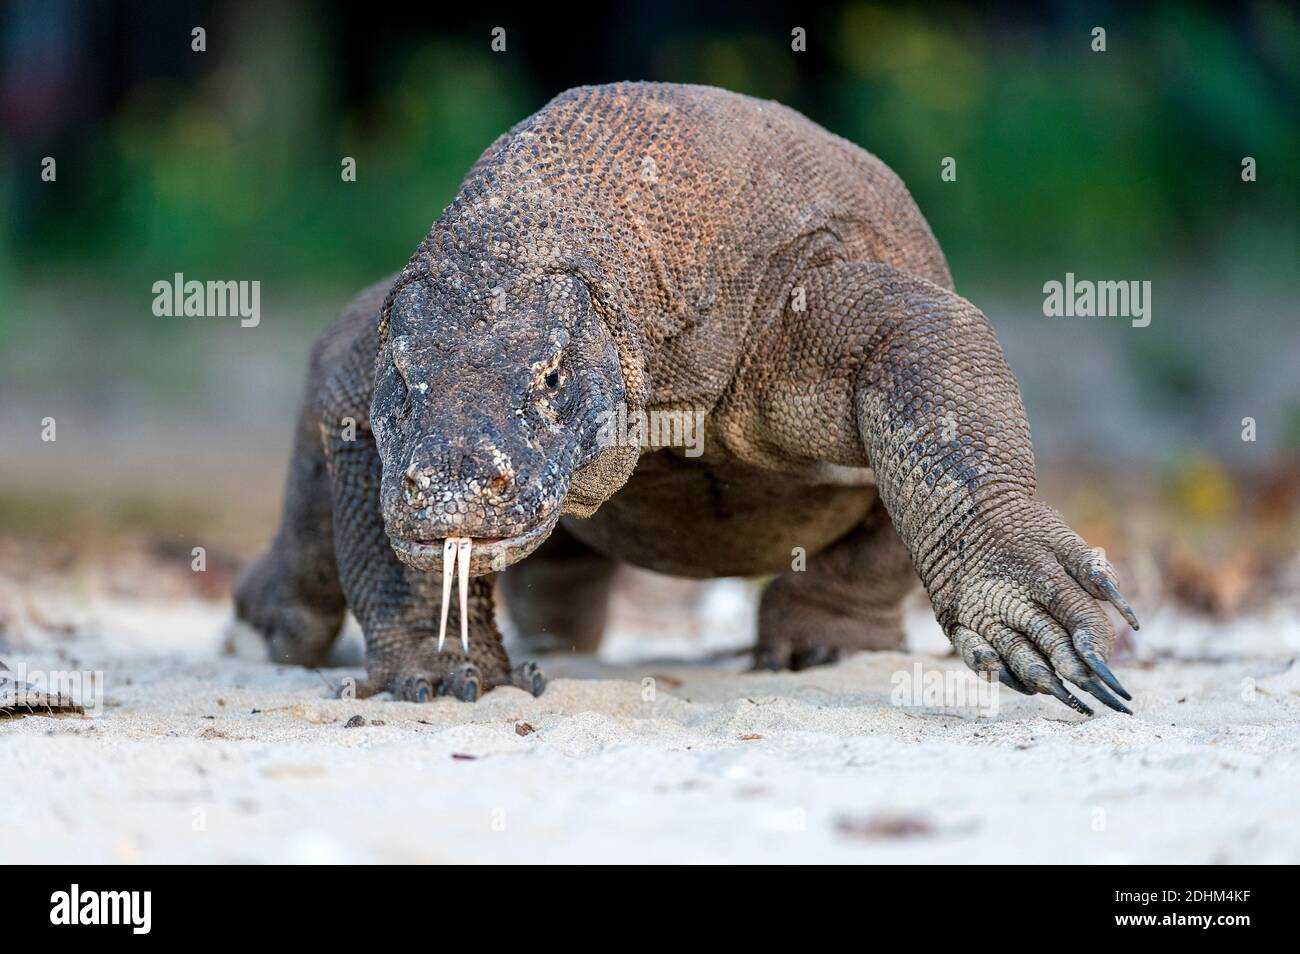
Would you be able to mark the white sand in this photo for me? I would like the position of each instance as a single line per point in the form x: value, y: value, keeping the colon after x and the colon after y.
x: 721, y: 766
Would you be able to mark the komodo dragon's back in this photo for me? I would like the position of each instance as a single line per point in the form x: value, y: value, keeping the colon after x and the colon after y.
x: 712, y: 201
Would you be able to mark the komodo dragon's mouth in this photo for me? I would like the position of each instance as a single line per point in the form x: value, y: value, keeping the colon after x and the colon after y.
x: 465, y: 557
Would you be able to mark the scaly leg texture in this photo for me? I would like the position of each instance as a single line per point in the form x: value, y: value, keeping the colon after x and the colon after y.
x: 398, y: 606
x: 848, y: 598
x: 901, y: 374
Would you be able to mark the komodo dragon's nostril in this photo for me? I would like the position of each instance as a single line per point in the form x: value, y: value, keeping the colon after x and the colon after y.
x: 414, y: 479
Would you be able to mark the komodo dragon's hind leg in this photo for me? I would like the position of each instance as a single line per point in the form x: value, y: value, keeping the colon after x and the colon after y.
x: 558, y: 597
x: 848, y: 598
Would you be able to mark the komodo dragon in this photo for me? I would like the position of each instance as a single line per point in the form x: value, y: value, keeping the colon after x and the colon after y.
x: 633, y: 251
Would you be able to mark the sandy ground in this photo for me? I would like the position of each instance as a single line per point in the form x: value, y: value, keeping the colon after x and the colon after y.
x: 199, y: 757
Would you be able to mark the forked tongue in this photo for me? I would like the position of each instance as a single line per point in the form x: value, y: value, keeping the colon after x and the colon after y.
x: 463, y: 547
x: 455, y: 550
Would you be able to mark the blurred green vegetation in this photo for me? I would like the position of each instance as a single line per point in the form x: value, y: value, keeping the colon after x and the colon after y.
x: 1124, y: 164
x: 1110, y: 160
x: 239, y: 172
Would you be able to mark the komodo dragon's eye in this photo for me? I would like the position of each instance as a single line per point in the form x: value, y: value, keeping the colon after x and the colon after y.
x: 550, y: 373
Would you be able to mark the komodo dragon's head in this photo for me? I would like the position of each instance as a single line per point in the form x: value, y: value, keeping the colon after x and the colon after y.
x: 487, y: 404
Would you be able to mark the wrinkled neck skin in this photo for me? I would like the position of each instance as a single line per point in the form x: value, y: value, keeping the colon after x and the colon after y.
x: 503, y: 354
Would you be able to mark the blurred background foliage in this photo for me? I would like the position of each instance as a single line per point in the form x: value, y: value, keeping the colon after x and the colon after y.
x: 229, y: 160
x: 1122, y: 165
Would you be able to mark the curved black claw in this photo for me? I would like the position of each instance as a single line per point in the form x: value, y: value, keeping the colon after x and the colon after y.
x: 464, y: 683
x: 1117, y: 600
x: 1008, y: 679
x: 529, y: 677
x: 1098, y: 665
x: 414, y: 689
x: 814, y: 656
x: 1099, y: 691
x: 1056, y: 688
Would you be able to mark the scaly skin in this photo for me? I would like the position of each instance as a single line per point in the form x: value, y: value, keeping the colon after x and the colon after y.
x: 676, y: 248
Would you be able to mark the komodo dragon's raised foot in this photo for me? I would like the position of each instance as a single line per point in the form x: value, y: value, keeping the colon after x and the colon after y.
x: 649, y: 253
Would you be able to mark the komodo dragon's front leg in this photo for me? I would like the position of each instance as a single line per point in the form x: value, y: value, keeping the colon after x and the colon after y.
x: 890, y: 370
